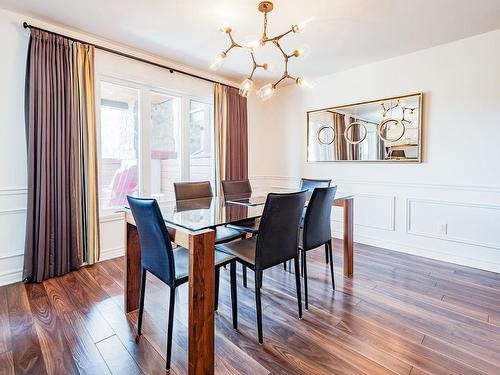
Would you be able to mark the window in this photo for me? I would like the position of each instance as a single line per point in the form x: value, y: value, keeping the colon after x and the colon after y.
x: 201, y: 141
x: 119, y: 144
x: 149, y: 139
x: 165, y: 145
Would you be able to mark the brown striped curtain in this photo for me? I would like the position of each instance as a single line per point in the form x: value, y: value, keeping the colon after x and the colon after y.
x: 62, y: 228
x: 231, y: 135
x: 340, y: 143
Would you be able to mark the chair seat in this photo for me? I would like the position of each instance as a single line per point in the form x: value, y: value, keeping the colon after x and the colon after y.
x: 181, y: 259
x: 244, y: 249
x: 225, y: 234
x: 248, y: 226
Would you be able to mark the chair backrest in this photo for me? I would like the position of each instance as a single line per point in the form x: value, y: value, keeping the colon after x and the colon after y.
x: 279, y: 229
x: 308, y: 184
x: 156, y: 249
x: 317, y: 226
x: 192, y: 190
x: 239, y: 188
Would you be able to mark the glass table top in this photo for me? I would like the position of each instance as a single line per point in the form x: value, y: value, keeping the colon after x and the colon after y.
x: 204, y: 213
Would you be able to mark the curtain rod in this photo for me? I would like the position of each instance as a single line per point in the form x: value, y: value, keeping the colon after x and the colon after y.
x: 106, y: 49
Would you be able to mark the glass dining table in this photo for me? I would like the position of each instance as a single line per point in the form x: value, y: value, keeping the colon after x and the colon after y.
x: 191, y: 224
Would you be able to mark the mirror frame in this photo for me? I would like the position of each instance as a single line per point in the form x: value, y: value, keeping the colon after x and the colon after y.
x: 420, y: 119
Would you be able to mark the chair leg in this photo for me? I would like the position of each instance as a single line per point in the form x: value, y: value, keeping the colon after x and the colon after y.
x: 244, y: 271
x: 297, y: 283
x: 304, y: 265
x: 330, y: 252
x: 141, y: 301
x: 326, y: 253
x: 170, y: 328
x: 301, y: 266
x: 234, y: 294
x: 284, y: 266
x: 258, y: 276
x: 217, y: 280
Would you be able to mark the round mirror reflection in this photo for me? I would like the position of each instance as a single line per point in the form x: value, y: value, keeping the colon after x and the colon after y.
x: 391, y: 130
x: 326, y: 135
x: 355, y: 133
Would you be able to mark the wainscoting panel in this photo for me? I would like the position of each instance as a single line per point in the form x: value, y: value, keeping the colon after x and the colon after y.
x: 467, y: 223
x: 112, y: 236
x: 452, y: 223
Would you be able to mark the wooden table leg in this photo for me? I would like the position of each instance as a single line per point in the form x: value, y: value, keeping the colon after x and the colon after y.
x: 348, y: 205
x: 201, y: 337
x: 133, y: 269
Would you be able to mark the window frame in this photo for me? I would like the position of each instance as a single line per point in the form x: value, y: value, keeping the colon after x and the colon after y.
x: 144, y: 131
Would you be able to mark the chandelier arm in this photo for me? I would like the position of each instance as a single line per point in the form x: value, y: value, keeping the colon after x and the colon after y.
x: 278, y: 37
x: 277, y: 44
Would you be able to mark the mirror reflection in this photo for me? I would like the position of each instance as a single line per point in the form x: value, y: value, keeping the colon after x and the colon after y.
x: 379, y: 130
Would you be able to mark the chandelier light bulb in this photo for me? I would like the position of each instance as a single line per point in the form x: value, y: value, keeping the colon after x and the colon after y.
x: 245, y: 87
x: 219, y: 61
x: 267, y: 67
x: 300, y: 26
x: 253, y: 45
x: 265, y: 92
x: 225, y: 28
x: 304, y: 83
x: 298, y: 52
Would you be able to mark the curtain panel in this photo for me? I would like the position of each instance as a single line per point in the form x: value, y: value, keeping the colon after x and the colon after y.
x: 62, y: 228
x: 231, y: 135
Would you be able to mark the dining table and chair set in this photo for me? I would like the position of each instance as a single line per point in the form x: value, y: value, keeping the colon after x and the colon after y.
x: 190, y: 239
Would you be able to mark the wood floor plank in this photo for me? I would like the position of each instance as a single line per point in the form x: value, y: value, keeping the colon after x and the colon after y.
x: 117, y: 357
x: 53, y: 344
x: 26, y: 352
x: 5, y: 343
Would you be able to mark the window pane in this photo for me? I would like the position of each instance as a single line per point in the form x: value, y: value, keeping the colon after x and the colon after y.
x: 201, y: 142
x: 119, y: 175
x: 165, y: 145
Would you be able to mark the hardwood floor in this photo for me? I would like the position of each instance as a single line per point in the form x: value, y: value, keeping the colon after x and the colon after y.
x: 399, y: 314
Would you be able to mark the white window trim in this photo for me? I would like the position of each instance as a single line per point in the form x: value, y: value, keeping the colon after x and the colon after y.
x: 144, y: 117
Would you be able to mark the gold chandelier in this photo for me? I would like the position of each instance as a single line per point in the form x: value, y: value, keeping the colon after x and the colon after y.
x: 266, y: 91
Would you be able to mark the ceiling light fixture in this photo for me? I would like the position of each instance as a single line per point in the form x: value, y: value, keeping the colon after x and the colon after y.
x: 246, y: 86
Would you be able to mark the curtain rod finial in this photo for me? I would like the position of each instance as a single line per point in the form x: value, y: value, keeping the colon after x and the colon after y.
x: 25, y: 25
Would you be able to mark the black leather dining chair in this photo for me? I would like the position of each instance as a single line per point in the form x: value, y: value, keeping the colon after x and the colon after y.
x: 317, y: 230
x: 310, y: 184
x: 236, y: 190
x: 169, y: 265
x: 277, y: 242
x: 239, y: 189
x: 203, y: 189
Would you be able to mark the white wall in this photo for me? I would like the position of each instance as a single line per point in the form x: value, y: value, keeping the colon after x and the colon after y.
x: 13, y: 181
x: 403, y: 206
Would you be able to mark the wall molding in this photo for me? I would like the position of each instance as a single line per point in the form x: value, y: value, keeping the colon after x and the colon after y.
x: 465, y: 241
x: 392, y: 204
x: 477, y: 188
x: 13, y: 191
x: 13, y: 211
x: 12, y: 255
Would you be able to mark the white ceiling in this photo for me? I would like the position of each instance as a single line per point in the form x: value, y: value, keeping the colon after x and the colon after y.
x: 343, y: 33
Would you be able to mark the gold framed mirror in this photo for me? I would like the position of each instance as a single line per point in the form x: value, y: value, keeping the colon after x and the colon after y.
x: 381, y: 130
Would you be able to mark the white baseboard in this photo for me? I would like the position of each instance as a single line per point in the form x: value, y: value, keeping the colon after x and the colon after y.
x: 423, y: 252
x: 111, y: 253
x: 11, y: 277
